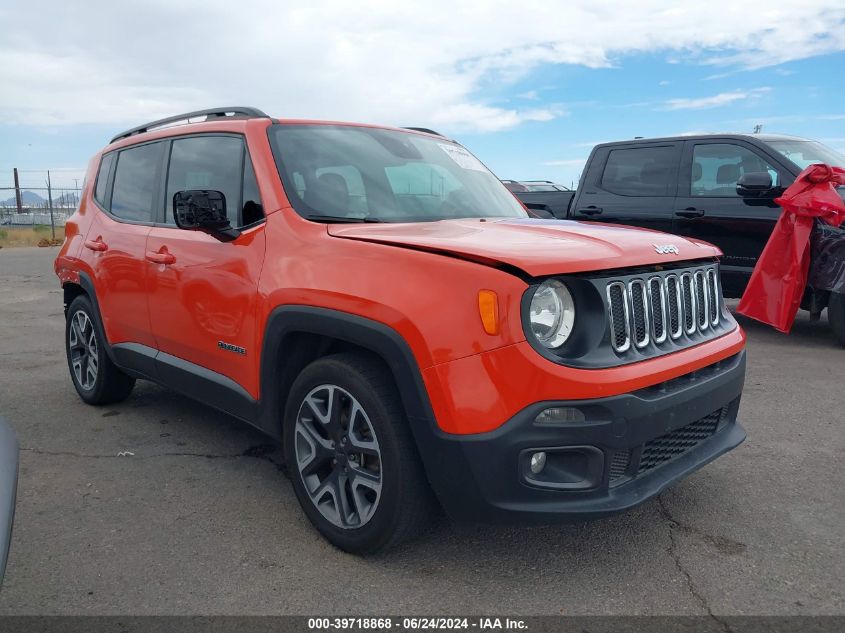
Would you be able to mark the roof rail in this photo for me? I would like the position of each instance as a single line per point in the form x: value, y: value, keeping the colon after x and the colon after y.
x: 423, y: 129
x: 249, y: 113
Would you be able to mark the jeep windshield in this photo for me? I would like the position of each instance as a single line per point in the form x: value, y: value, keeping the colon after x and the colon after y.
x: 806, y: 153
x: 344, y: 173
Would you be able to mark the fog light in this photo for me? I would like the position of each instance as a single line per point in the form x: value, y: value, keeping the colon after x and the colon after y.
x: 560, y: 415
x: 538, y: 462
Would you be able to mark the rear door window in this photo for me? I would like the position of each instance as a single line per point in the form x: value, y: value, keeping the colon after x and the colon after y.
x: 641, y: 171
x: 134, y: 190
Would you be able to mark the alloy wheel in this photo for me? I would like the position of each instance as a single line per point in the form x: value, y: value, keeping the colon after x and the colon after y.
x: 338, y: 456
x: 82, y: 340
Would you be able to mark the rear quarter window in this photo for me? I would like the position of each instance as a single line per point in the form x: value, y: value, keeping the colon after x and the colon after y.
x: 640, y: 171
x: 100, y: 191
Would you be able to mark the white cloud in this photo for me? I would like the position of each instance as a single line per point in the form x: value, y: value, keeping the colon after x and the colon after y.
x: 714, y: 101
x: 410, y: 63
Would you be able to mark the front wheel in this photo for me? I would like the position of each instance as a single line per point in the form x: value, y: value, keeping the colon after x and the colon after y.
x: 353, y: 463
x: 97, y: 380
x: 836, y: 315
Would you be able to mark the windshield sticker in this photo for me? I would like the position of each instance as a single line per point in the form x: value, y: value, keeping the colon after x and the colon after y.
x: 462, y: 157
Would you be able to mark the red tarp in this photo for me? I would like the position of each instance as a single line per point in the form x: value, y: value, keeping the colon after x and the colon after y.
x: 777, y: 284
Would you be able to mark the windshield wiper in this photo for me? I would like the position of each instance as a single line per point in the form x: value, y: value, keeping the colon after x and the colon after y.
x: 340, y: 219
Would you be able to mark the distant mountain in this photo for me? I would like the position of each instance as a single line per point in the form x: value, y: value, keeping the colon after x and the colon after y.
x: 28, y: 199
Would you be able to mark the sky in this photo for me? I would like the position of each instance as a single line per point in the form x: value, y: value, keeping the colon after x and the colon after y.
x: 529, y: 87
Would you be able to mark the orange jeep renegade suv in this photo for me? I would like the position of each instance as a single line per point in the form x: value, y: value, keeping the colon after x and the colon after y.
x: 379, y: 302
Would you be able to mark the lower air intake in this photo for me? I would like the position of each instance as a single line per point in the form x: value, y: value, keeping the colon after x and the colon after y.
x: 667, y: 447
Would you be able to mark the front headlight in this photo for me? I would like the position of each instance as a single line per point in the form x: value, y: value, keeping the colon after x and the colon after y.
x: 552, y: 313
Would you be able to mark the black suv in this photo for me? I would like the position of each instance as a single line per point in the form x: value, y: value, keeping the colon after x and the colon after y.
x: 695, y: 186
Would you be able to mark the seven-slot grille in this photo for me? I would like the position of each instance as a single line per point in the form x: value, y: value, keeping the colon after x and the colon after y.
x: 663, y: 306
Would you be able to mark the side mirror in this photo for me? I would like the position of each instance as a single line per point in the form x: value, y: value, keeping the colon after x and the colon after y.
x: 755, y: 184
x: 203, y: 210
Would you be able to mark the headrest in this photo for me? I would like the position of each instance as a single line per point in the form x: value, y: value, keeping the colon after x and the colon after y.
x: 334, y: 181
x: 696, y: 172
x: 727, y: 174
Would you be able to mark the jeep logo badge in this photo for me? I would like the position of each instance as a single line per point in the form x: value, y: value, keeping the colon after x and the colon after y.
x: 666, y: 249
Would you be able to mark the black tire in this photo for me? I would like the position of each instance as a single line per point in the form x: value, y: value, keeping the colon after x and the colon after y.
x: 406, y: 504
x: 836, y: 315
x: 108, y: 383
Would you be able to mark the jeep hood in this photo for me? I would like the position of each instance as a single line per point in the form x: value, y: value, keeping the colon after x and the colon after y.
x: 537, y: 247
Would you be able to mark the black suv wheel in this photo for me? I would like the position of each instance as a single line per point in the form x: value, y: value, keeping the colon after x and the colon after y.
x: 97, y: 380
x: 351, y: 456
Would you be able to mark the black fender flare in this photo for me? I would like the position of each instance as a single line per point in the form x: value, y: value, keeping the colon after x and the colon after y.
x: 380, y: 339
x: 87, y: 285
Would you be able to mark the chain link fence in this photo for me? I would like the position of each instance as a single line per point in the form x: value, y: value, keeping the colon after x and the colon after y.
x: 30, y: 198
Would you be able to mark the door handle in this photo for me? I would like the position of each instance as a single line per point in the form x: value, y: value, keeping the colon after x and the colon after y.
x: 690, y: 212
x: 591, y: 210
x: 162, y: 257
x: 97, y: 245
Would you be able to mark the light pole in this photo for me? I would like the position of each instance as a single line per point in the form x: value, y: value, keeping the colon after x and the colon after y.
x: 50, y: 200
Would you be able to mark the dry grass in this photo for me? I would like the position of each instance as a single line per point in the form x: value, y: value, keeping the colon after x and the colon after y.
x: 28, y: 235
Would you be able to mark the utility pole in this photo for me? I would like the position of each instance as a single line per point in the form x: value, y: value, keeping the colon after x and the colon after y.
x: 50, y: 201
x: 76, y: 183
x: 18, y: 192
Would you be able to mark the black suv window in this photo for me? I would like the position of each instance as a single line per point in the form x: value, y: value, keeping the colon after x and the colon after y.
x: 134, y: 182
x: 716, y: 167
x: 103, y: 178
x: 215, y: 162
x: 640, y: 171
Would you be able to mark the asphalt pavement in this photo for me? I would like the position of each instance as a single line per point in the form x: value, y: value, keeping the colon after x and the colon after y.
x: 161, y: 505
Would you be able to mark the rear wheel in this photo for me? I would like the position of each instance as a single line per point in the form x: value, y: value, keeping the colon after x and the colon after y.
x: 353, y: 463
x: 97, y: 380
x: 836, y: 315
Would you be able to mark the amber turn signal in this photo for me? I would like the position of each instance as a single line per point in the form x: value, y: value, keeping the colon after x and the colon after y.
x: 488, y: 308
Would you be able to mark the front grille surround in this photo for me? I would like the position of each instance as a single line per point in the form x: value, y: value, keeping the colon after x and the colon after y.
x: 702, y: 299
x: 688, y: 303
x: 629, y: 315
x: 664, y: 310
x: 657, y: 293
x: 617, y: 308
x: 640, y: 323
x: 673, y: 294
x: 715, y: 295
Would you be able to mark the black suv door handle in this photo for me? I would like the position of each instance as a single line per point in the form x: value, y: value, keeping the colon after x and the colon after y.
x: 690, y: 212
x: 591, y: 210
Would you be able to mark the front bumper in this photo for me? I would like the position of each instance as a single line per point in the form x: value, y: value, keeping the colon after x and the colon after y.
x: 628, y: 449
